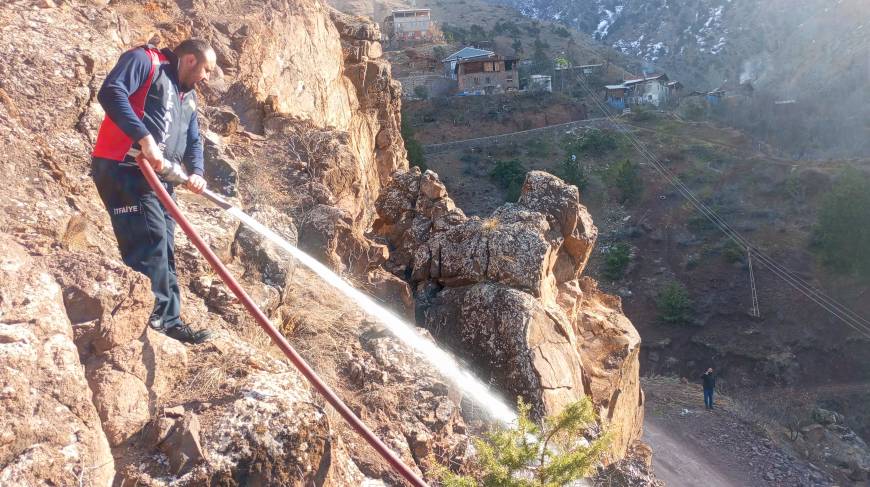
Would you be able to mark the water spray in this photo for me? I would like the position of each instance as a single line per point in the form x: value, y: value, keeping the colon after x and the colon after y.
x: 443, y: 362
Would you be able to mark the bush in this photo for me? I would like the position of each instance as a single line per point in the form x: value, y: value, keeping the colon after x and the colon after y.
x: 574, y: 172
x: 625, y: 176
x: 594, y: 143
x: 509, y: 175
x: 414, y: 148
x: 843, y: 228
x: 552, y: 454
x: 616, y: 260
x: 674, y: 304
x: 698, y: 223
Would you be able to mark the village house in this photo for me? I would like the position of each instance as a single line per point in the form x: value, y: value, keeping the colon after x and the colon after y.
x: 478, y: 71
x: 410, y: 25
x: 648, y: 90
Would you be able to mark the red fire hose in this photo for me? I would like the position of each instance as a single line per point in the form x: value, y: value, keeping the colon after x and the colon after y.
x: 277, y: 338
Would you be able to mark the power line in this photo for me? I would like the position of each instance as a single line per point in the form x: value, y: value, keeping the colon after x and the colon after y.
x: 835, y: 308
x: 838, y: 310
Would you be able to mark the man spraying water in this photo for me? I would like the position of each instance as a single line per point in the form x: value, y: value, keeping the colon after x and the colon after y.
x: 150, y: 107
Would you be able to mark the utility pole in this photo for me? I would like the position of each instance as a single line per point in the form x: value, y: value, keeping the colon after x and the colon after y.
x: 755, y: 311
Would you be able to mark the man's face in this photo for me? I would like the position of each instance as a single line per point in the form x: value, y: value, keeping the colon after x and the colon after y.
x: 191, y: 71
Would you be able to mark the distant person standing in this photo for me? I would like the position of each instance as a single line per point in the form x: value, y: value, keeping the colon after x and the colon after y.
x: 709, y: 381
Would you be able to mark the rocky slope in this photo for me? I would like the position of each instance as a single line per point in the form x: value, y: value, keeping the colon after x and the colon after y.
x: 301, y: 127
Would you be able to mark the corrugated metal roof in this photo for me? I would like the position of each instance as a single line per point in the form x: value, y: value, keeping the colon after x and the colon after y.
x: 468, y: 53
x: 616, y: 87
x: 648, y: 78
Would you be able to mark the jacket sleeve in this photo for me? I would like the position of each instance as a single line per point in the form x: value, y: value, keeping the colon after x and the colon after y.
x: 126, y: 77
x: 193, y: 159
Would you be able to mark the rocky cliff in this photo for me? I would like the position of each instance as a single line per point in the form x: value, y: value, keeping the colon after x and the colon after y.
x: 506, y: 293
x: 301, y: 128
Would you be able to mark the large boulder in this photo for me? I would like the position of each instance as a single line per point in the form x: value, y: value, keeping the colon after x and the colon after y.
x: 130, y: 380
x: 524, y: 347
x: 486, y: 251
x: 503, y: 292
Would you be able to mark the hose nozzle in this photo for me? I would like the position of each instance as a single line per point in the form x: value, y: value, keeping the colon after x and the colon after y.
x: 173, y: 173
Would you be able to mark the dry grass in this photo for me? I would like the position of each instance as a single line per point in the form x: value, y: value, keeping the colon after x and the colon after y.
x: 490, y: 225
x: 208, y: 374
x: 256, y: 337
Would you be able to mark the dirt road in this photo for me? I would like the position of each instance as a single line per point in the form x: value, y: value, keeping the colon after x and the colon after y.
x: 695, y: 447
x: 679, y: 462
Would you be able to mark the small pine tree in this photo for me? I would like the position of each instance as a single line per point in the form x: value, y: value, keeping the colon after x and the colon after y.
x: 517, y: 46
x: 510, y: 175
x: 616, y: 259
x: 551, y: 454
x: 625, y: 176
x: 674, y: 304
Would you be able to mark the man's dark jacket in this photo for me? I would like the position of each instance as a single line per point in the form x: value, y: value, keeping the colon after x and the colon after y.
x: 709, y: 381
x: 169, y: 113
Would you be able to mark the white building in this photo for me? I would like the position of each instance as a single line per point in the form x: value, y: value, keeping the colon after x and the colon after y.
x: 649, y: 90
x: 410, y: 25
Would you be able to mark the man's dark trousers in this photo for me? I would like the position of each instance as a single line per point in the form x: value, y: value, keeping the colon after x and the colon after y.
x: 144, y: 231
x: 708, y: 398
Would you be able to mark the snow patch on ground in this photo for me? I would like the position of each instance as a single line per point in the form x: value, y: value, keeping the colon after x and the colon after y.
x: 607, y: 21
x: 649, y: 51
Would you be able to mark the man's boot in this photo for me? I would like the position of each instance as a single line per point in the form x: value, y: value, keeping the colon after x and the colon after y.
x: 182, y: 332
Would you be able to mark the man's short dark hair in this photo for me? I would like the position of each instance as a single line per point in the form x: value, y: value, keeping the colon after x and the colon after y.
x: 197, y: 47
